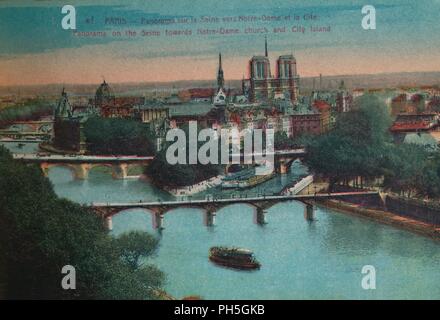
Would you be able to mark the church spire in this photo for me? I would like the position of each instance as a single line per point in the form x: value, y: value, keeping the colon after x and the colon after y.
x: 265, y: 46
x: 220, y: 74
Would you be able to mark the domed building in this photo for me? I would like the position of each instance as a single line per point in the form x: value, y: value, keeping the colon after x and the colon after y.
x: 109, y: 106
x: 104, y: 95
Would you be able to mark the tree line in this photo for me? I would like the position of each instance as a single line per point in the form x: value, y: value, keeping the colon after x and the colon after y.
x: 118, y: 136
x: 31, y: 110
x: 40, y: 233
x: 162, y: 173
x: 360, y: 148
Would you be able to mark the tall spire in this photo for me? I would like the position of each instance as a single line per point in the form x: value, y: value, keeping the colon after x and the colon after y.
x: 220, y: 75
x: 265, y: 46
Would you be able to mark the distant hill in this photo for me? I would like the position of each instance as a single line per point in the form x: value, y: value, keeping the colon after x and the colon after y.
x: 385, y: 80
x: 371, y: 81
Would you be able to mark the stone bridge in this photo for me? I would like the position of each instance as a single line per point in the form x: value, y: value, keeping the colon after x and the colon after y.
x: 283, y: 158
x: 211, y: 205
x: 34, y: 126
x: 19, y: 135
x: 24, y: 129
x: 80, y: 165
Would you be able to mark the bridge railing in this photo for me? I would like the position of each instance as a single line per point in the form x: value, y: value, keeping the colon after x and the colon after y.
x: 232, y: 198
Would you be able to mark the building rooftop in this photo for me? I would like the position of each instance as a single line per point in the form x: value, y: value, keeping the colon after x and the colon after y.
x: 303, y: 108
x: 415, y: 126
x: 423, y: 139
x: 190, y: 109
x: 201, y: 92
x: 321, y: 105
x: 158, y: 106
x: 287, y: 56
x: 260, y: 58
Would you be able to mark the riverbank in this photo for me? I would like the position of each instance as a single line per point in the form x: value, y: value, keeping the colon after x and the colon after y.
x: 196, y: 188
x: 385, y: 217
x: 47, y: 147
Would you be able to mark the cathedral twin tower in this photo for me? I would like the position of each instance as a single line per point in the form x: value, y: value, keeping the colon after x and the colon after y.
x: 261, y: 86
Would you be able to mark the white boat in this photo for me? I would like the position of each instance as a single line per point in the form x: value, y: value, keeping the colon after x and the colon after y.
x: 248, y: 178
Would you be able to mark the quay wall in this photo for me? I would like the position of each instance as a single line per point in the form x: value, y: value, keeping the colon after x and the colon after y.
x: 392, y: 219
x: 414, y: 209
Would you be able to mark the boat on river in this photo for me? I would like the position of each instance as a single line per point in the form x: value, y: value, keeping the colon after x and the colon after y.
x: 235, y: 258
x: 248, y: 178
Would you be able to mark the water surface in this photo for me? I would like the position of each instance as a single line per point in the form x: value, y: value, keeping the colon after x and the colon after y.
x: 300, y: 260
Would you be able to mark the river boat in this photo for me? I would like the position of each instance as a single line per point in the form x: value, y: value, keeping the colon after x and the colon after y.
x: 248, y: 178
x: 235, y: 258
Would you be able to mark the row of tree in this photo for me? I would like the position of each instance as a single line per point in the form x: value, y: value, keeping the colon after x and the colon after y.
x: 282, y: 141
x: 118, y: 136
x: 360, y: 147
x: 179, y: 175
x: 413, y: 171
x: 31, y: 110
x: 163, y: 173
x: 40, y: 234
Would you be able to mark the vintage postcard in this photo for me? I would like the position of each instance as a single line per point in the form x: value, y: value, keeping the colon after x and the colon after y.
x: 219, y: 150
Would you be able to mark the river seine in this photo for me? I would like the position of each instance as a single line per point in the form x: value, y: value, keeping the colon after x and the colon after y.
x: 300, y: 260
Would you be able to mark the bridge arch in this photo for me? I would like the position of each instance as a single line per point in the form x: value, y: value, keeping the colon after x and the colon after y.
x: 117, y: 170
x: 95, y: 166
x: 257, y: 211
x: 249, y: 204
x: 185, y: 206
x: 75, y: 170
x: 25, y: 127
x: 117, y: 212
x: 156, y: 216
x: 135, y: 169
x: 207, y: 214
x: 45, y: 128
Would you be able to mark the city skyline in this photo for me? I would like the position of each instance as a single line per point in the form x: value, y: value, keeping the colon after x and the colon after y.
x: 404, y: 41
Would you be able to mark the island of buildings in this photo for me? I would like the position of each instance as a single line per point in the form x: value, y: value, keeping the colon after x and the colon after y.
x: 263, y: 101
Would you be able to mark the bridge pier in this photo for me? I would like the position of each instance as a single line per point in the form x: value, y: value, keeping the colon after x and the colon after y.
x: 109, y: 223
x: 210, y: 218
x: 284, y: 168
x: 119, y: 171
x: 309, y: 212
x: 158, y: 220
x: 211, y: 205
x: 44, y: 168
x: 260, y: 216
x: 284, y: 165
x: 81, y: 171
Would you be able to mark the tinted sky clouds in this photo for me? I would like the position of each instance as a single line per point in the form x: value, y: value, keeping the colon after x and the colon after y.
x: 35, y: 49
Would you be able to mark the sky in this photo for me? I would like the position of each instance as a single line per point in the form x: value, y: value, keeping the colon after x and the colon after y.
x: 34, y: 49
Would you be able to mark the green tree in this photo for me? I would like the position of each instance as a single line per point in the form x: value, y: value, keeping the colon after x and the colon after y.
x: 30, y: 110
x: 136, y: 245
x: 40, y: 233
x: 282, y: 141
x: 118, y: 136
x: 356, y: 147
x: 413, y: 171
x: 429, y: 182
x: 178, y: 175
x: 405, y: 167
